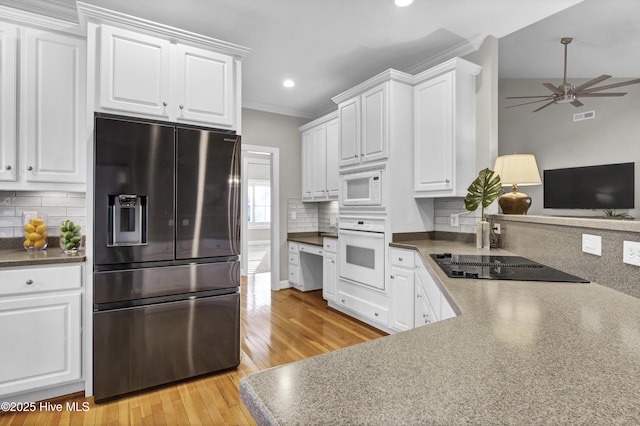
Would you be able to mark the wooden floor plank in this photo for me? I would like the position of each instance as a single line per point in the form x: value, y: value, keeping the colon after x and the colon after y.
x: 276, y: 328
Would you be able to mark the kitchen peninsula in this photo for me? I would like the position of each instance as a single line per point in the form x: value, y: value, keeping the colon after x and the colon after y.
x: 520, y: 353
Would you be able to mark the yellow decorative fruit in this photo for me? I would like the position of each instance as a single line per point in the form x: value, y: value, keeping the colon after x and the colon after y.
x: 29, y: 228
x: 36, y: 221
x: 39, y: 244
x: 27, y: 243
x: 41, y: 229
x: 34, y: 236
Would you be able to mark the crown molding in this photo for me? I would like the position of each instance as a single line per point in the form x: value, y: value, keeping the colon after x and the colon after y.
x: 388, y: 75
x: 457, y: 64
x: 87, y: 12
x: 461, y: 49
x: 51, y: 8
x: 35, y: 19
x: 318, y: 121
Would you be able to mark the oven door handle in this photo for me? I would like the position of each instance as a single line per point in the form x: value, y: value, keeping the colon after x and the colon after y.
x: 370, y: 234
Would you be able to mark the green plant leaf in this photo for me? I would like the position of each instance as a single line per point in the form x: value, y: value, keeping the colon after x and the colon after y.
x: 483, y: 190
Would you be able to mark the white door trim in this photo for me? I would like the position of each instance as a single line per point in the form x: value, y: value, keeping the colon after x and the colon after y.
x: 275, y: 212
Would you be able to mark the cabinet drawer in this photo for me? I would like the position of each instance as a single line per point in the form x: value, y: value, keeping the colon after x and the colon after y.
x: 294, y: 259
x: 40, y: 279
x: 402, y: 258
x: 367, y: 309
x: 294, y: 274
x: 308, y: 248
x: 293, y: 247
x: 330, y: 245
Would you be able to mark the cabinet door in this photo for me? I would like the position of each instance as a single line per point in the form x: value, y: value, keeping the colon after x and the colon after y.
x: 374, y: 123
x: 329, y: 277
x: 423, y: 311
x: 333, y: 129
x: 8, y: 101
x: 52, y: 105
x: 134, y: 72
x: 349, y: 112
x: 402, y: 295
x: 319, y: 162
x: 44, y: 336
x: 204, y: 87
x: 307, y: 165
x: 434, y: 156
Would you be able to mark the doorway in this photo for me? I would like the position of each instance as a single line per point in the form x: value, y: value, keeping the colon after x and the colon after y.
x: 260, y: 213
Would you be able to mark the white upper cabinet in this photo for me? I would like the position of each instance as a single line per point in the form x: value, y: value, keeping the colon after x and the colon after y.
x: 43, y: 133
x: 52, y: 107
x: 363, y: 127
x: 150, y: 76
x: 8, y: 101
x: 445, y: 129
x: 204, y: 86
x: 135, y: 73
x: 320, y: 159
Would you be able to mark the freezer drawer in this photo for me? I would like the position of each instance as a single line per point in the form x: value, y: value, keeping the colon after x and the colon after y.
x: 134, y: 284
x: 142, y: 347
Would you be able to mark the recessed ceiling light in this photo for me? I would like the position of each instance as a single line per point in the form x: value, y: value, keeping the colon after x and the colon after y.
x: 403, y: 3
x: 288, y: 83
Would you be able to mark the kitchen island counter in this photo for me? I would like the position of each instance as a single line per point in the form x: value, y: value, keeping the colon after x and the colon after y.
x: 520, y: 353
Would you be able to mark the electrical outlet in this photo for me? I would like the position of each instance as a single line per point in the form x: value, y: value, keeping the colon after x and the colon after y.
x: 454, y: 220
x: 293, y: 215
x: 496, y: 228
x: 631, y: 253
x: 333, y: 221
x: 592, y: 244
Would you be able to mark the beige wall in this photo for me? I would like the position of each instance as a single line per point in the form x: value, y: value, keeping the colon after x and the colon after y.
x: 279, y: 131
x: 558, y: 142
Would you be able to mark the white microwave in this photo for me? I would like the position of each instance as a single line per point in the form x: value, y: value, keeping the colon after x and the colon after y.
x: 361, y: 188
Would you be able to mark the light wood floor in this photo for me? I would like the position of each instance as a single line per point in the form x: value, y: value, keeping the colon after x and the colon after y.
x: 277, y: 328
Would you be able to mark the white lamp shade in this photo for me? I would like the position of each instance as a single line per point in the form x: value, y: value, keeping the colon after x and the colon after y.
x: 518, y: 169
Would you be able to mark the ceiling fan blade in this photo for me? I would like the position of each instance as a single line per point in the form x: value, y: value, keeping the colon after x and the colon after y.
x: 611, y: 86
x: 600, y: 95
x: 533, y: 102
x: 527, y: 97
x: 591, y: 82
x: 544, y: 106
x: 577, y: 103
x: 553, y: 88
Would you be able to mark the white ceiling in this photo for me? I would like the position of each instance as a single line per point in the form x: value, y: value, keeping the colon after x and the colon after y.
x: 328, y: 46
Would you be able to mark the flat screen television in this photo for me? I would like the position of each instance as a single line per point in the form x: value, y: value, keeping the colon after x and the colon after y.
x: 608, y: 186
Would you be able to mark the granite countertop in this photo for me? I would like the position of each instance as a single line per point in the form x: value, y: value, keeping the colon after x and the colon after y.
x: 520, y: 353
x: 12, y: 254
x: 313, y: 238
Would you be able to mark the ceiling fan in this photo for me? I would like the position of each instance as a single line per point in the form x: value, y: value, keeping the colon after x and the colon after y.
x: 567, y: 93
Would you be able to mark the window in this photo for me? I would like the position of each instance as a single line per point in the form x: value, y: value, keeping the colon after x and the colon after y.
x: 259, y: 203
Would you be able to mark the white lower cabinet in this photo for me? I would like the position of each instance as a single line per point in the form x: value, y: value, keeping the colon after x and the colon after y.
x: 329, y: 269
x: 416, y: 299
x: 40, y: 328
x: 401, y: 286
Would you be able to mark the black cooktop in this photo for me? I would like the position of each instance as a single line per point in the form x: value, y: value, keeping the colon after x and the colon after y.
x: 500, y: 268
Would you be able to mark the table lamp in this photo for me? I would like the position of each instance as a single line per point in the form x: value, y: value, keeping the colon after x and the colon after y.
x: 516, y: 169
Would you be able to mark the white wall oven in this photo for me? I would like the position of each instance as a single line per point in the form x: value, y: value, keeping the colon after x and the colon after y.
x: 361, y: 253
x: 361, y: 188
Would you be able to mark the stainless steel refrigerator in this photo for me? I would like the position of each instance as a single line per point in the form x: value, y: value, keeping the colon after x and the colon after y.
x: 166, y: 245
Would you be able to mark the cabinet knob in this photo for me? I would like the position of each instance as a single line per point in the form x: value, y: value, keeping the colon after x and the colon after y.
x: 29, y: 282
x: 447, y: 180
x: 181, y: 106
x: 164, y: 104
x: 333, y: 261
x: 7, y: 167
x: 29, y: 168
x: 400, y: 259
x: 342, y: 300
x: 392, y: 276
x: 376, y: 314
x: 355, y: 156
x: 418, y: 296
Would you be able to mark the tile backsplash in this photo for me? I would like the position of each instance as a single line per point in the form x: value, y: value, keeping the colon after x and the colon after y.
x: 311, y: 217
x: 445, y: 207
x: 57, y: 205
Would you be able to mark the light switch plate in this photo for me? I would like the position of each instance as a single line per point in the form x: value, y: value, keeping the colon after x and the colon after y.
x: 592, y: 244
x: 631, y: 253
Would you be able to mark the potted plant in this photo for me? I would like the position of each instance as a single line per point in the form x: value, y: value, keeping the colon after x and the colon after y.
x: 482, y: 192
